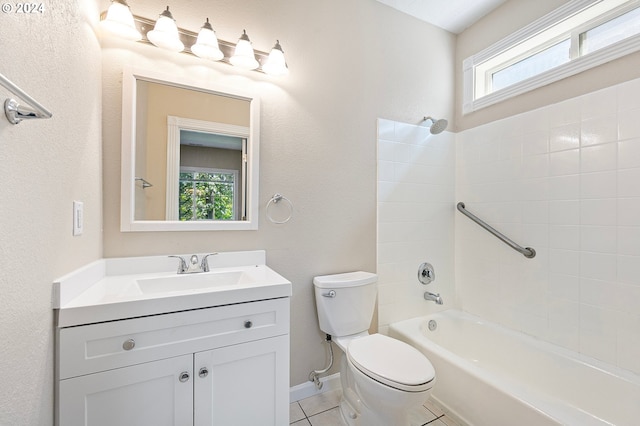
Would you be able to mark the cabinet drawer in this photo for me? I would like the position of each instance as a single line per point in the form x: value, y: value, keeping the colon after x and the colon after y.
x: 97, y: 347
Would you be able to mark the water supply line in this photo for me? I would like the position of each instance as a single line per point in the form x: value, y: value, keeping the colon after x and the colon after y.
x: 314, y: 376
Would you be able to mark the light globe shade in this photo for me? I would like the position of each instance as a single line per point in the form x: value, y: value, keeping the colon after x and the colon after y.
x: 165, y: 33
x: 119, y: 21
x: 206, y: 46
x: 275, y: 64
x: 244, y: 56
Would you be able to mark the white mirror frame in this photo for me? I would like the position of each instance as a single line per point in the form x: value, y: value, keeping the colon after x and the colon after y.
x: 128, y: 223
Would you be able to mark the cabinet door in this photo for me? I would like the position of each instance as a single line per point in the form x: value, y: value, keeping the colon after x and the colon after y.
x: 155, y: 393
x: 246, y: 385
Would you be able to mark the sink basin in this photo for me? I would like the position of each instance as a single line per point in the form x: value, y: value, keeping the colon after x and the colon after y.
x: 201, y: 281
x: 120, y: 288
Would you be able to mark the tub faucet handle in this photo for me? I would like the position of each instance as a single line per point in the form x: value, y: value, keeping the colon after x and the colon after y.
x: 426, y: 273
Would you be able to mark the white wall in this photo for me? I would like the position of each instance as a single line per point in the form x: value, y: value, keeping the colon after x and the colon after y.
x: 416, y: 177
x: 565, y: 180
x: 349, y: 64
x: 46, y: 164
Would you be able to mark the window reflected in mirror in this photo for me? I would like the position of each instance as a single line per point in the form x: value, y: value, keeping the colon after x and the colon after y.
x: 211, y: 176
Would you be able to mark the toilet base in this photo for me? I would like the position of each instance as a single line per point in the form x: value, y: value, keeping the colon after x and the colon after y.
x: 369, y: 418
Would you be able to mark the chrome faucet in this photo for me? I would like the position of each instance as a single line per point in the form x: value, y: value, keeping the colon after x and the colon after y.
x: 204, y: 266
x: 433, y: 297
x: 182, y: 265
x: 193, y: 266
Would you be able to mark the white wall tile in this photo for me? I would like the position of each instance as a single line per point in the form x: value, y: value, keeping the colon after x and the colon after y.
x: 386, y: 150
x: 565, y: 287
x: 534, y: 166
x: 629, y: 211
x: 600, y: 239
x: 564, y: 262
x: 564, y: 212
x: 575, y: 176
x: 628, y: 95
x: 628, y: 124
x: 598, y: 185
x: 535, y: 212
x: 564, y: 162
x: 535, y: 143
x: 564, y: 237
x: 599, y: 130
x: 627, y: 298
x: 599, y: 158
x: 564, y: 187
x: 629, y: 183
x: 386, y: 171
x: 598, y: 266
x: 629, y: 153
x: 416, y: 188
x: 598, y: 293
x: 629, y: 240
x: 628, y: 344
x: 628, y: 269
x: 564, y: 137
x: 598, y: 211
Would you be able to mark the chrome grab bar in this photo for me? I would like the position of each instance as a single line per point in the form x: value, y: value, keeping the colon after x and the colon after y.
x: 526, y: 251
x: 14, y: 111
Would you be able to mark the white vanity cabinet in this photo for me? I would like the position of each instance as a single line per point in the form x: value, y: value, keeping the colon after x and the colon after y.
x: 225, y: 365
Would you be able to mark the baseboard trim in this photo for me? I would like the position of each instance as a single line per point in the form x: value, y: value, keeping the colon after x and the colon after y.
x: 305, y: 390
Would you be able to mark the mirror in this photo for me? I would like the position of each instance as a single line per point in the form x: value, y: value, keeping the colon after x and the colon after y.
x: 189, y: 155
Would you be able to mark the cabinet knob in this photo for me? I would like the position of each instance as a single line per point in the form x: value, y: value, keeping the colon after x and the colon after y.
x: 129, y: 344
x: 203, y: 372
x: 184, y: 376
x: 248, y: 324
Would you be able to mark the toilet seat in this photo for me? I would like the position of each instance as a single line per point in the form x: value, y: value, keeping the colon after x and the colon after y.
x: 391, y: 362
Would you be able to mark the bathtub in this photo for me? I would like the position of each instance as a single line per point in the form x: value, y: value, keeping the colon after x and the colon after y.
x: 488, y: 375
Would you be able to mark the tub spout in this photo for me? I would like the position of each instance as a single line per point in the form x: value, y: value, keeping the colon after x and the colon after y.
x: 433, y: 297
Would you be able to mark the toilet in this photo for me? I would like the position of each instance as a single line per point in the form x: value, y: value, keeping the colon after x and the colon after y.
x: 382, y: 378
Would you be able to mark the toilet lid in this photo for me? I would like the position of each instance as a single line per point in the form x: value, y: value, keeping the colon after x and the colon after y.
x: 391, y: 362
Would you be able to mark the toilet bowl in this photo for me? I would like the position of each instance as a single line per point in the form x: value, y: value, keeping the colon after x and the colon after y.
x: 390, y: 376
x: 382, y: 378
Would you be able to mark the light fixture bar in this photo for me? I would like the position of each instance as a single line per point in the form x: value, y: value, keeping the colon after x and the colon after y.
x: 188, y: 38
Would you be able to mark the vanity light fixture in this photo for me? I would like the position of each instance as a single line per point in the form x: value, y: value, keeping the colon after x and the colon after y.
x: 119, y: 21
x: 276, y: 65
x: 244, y: 57
x: 165, y: 33
x: 206, y: 46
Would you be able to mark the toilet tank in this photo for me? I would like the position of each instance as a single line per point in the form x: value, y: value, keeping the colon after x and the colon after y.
x: 345, y: 302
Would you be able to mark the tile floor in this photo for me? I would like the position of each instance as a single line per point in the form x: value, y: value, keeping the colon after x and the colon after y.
x: 322, y: 410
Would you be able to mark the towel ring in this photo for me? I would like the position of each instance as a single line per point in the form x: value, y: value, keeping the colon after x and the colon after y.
x: 274, y: 200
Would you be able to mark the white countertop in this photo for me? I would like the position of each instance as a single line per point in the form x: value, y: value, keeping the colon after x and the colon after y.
x: 108, y: 289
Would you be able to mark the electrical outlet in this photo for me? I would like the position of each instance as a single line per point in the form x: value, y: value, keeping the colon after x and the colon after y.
x: 78, y: 217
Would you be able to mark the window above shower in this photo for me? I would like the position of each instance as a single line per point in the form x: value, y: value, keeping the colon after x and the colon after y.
x: 578, y: 36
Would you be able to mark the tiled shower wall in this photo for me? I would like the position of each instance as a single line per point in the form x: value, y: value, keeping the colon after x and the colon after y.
x: 565, y: 180
x: 416, y: 172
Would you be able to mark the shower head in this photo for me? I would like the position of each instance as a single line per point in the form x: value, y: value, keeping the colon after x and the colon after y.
x: 437, y: 126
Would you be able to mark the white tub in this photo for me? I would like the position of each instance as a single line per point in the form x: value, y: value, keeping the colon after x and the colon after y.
x: 489, y: 375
